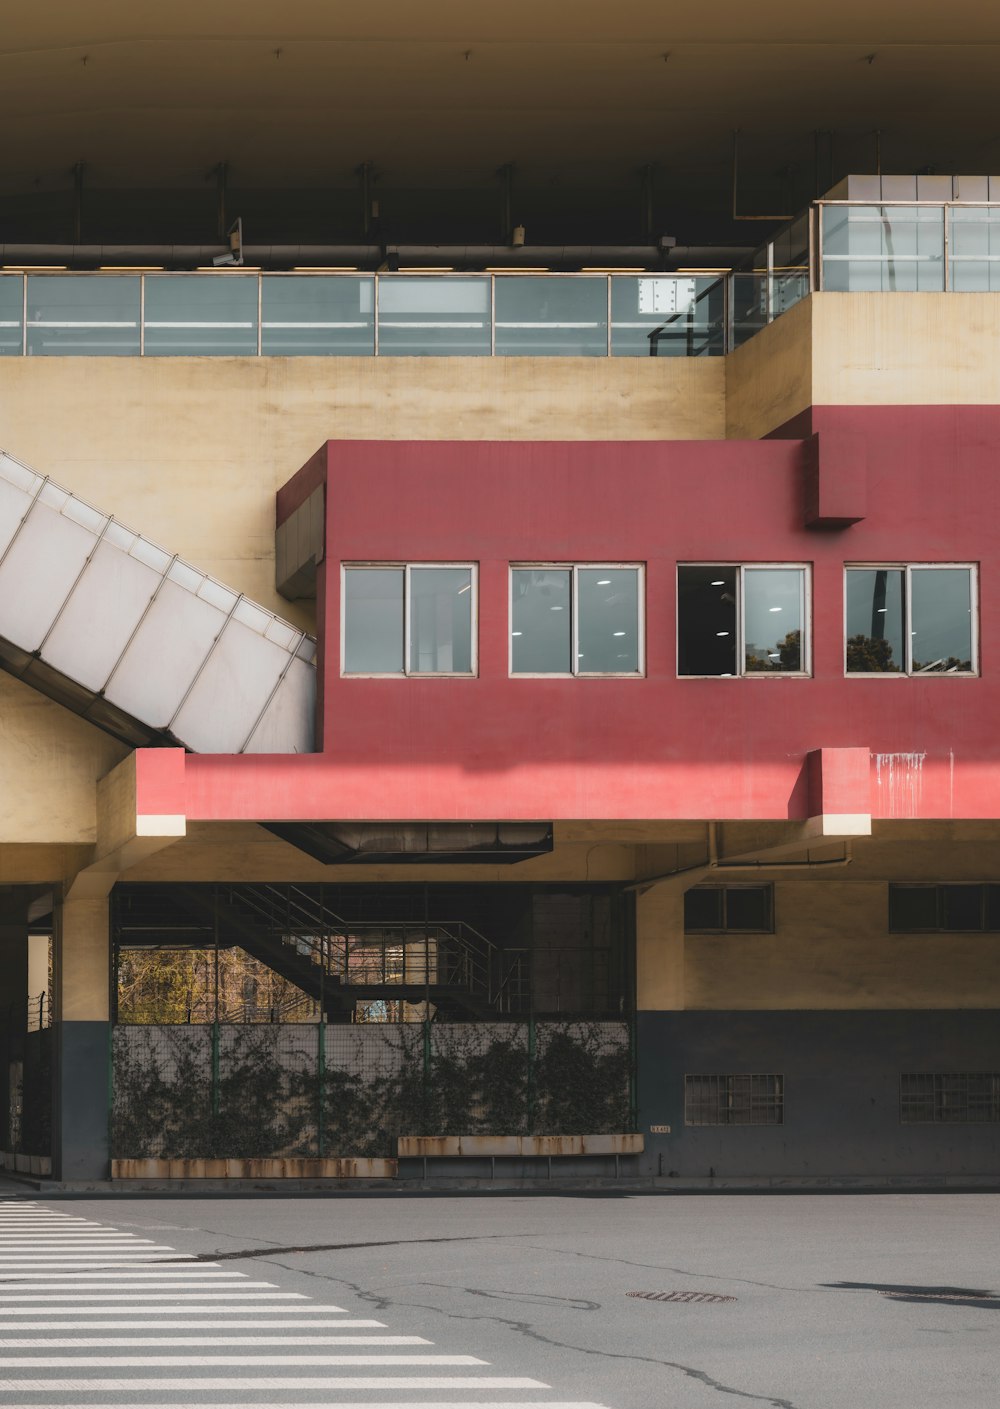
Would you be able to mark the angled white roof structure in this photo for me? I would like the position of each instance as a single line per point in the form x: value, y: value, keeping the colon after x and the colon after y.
x: 127, y: 635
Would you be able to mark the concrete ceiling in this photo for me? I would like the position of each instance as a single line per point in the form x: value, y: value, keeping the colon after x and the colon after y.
x: 439, y: 94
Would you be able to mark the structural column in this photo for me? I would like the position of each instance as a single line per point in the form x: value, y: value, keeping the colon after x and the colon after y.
x: 83, y: 1040
x: 659, y: 932
x: 13, y: 1012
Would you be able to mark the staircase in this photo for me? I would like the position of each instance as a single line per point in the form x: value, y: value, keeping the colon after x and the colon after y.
x: 337, y: 962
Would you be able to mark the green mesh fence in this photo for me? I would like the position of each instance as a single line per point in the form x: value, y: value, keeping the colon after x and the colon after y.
x: 241, y: 1092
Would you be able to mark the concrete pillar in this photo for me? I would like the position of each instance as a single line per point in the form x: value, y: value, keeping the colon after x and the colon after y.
x: 659, y: 996
x: 82, y: 1040
x: 13, y: 1006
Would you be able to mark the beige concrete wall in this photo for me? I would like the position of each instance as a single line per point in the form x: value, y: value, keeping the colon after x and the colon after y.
x: 83, y: 961
x: 905, y: 349
x: 769, y: 379
x: 49, y: 765
x: 191, y: 450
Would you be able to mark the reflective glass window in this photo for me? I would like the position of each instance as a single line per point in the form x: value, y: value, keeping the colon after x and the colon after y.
x: 11, y: 310
x: 876, y: 620
x: 412, y: 620
x: 317, y: 315
x: 373, y: 621
x: 440, y: 606
x: 658, y: 315
x: 541, y: 621
x: 772, y: 618
x: 883, y: 248
x: 576, y: 620
x: 741, y: 620
x: 974, y: 248
x: 940, y: 620
x: 429, y: 316
x: 77, y: 316
x: 608, y: 626
x: 551, y: 315
x: 917, y: 620
x: 201, y: 315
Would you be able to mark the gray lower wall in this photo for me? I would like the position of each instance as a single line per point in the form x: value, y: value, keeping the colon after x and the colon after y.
x: 841, y: 1073
x: 80, y: 1100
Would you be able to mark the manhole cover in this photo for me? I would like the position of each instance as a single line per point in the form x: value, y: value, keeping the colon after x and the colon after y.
x: 680, y: 1296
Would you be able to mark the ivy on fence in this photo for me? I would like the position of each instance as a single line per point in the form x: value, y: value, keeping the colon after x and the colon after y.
x: 270, y: 1091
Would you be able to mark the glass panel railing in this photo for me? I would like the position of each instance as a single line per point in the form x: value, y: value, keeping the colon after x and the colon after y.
x: 748, y: 301
x: 72, y: 315
x: 883, y: 248
x: 201, y: 315
x: 790, y: 266
x: 974, y: 249
x: 11, y: 313
x: 428, y: 315
x: 667, y: 315
x: 315, y: 315
x: 551, y: 315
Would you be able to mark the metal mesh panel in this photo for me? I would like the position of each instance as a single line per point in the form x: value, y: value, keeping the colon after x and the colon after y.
x: 265, y: 1103
x: 581, y: 1078
x: 162, y: 1104
x: 373, y: 1087
x: 477, y: 1079
x: 244, y: 1092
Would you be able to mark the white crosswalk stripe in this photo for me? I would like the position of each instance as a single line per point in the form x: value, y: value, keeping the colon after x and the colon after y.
x: 61, y: 1275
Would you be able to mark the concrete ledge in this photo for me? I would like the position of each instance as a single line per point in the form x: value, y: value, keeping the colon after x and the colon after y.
x: 39, y: 1165
x: 292, y: 1168
x: 514, y: 1146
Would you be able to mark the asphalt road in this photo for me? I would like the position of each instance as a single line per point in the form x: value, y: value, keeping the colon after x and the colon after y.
x: 833, y: 1302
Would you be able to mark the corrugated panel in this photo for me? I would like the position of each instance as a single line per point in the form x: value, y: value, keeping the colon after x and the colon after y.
x: 129, y: 636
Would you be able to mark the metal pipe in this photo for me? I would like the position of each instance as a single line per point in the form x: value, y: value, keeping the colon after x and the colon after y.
x: 367, y: 257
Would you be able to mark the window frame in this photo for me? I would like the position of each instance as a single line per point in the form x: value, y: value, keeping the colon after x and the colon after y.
x: 574, y: 569
x: 767, y: 886
x: 939, y: 927
x: 908, y: 673
x: 741, y: 568
x: 406, y: 674
x: 727, y: 1105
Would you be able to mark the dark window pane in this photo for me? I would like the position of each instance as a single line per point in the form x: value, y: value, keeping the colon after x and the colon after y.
x: 703, y: 909
x: 373, y: 621
x: 992, y: 917
x: 541, y: 622
x: 706, y: 621
x: 748, y: 908
x: 913, y: 908
x: 962, y: 907
x: 772, y: 618
x: 941, y: 620
x: 875, y: 620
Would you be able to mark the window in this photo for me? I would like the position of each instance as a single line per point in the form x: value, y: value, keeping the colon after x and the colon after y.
x: 718, y: 909
x: 944, y: 908
x: 741, y: 620
x: 734, y: 1100
x: 576, y: 620
x: 932, y: 1098
x: 917, y: 620
x: 409, y: 620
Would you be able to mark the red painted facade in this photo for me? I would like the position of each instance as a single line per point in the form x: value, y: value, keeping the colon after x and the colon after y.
x: 926, y: 482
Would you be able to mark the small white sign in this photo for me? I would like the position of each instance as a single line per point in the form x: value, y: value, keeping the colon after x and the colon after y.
x: 659, y: 1130
x: 666, y: 295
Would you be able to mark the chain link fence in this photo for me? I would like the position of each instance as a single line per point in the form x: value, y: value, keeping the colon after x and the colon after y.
x: 223, y: 1091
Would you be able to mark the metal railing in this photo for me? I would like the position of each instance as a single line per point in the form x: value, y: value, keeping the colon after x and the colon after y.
x: 907, y: 246
x: 247, y: 314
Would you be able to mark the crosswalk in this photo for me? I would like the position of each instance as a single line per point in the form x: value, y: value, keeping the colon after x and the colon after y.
x: 90, y: 1316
